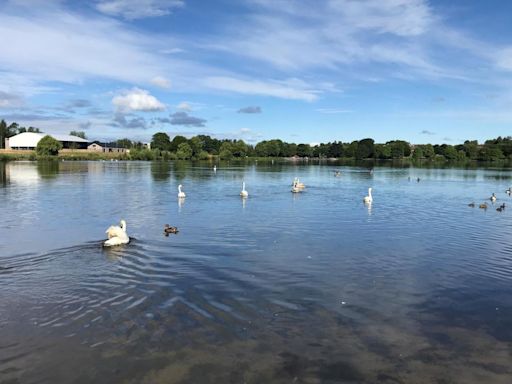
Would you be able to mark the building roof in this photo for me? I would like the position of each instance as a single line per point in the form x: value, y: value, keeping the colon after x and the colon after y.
x: 67, y: 138
x: 30, y: 139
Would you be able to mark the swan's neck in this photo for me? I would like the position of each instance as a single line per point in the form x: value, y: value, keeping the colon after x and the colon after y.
x: 370, y: 192
x: 179, y: 188
x: 243, y: 186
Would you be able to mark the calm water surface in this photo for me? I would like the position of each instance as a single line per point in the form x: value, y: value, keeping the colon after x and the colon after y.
x: 279, y: 288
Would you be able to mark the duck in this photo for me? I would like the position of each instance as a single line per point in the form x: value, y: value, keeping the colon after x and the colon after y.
x: 509, y: 191
x: 337, y: 173
x: 168, y: 229
x: 499, y: 209
x: 244, y: 193
x: 181, y: 194
x: 214, y: 168
x: 483, y: 206
x: 368, y: 199
x: 472, y: 205
x: 117, y: 235
x: 493, y: 197
x: 502, y: 206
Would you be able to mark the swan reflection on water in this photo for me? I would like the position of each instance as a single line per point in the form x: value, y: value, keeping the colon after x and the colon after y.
x: 181, y: 202
x: 369, y: 207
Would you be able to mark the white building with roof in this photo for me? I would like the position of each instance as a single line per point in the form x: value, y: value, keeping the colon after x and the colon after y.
x: 29, y: 140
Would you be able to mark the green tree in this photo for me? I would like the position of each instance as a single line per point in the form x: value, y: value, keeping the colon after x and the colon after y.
x: 304, y: 150
x: 399, y: 149
x: 7, y: 131
x: 351, y: 149
x: 239, y: 148
x: 461, y: 155
x: 184, y: 151
x: 449, y: 152
x: 365, y: 149
x: 490, y: 154
x: 125, y: 143
x: 197, y: 146
x: 428, y: 151
x: 48, y: 146
x: 289, y: 149
x: 176, y: 141
x: 15, y: 128
x: 471, y: 149
x: 225, y: 154
x: 418, y: 152
x: 382, y: 151
x: 335, y: 149
x: 77, y: 134
x: 161, y: 141
x: 3, y: 133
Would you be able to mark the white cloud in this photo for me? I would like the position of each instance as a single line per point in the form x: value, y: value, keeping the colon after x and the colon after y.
x: 137, y: 100
x: 71, y: 48
x: 161, y: 82
x: 292, y: 89
x: 184, y: 106
x: 398, y: 17
x: 138, y: 9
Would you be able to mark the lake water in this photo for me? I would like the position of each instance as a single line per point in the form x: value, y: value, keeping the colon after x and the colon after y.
x: 313, y: 287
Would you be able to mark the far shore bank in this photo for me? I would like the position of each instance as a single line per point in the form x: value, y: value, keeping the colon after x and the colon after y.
x: 148, y: 155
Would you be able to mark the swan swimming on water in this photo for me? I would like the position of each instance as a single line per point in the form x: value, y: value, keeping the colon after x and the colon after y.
x: 297, y: 184
x: 117, y: 235
x: 244, y: 193
x: 369, y: 198
x: 181, y: 194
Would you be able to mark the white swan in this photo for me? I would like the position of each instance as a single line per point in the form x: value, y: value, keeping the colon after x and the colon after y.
x: 181, y: 194
x: 369, y: 198
x: 117, y: 235
x: 297, y: 184
x: 244, y: 193
x: 214, y: 168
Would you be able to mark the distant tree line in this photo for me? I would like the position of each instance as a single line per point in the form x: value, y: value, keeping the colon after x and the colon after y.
x: 204, y: 146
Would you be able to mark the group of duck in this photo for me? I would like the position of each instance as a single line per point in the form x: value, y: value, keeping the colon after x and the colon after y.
x: 117, y: 234
x: 493, y: 199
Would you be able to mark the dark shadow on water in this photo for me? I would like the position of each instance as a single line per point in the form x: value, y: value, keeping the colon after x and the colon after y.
x: 161, y: 170
x: 48, y: 169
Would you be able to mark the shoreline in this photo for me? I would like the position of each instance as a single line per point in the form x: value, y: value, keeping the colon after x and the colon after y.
x: 28, y: 155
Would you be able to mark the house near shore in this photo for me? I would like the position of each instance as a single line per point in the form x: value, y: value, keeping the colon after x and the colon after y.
x: 29, y: 141
x: 96, y: 146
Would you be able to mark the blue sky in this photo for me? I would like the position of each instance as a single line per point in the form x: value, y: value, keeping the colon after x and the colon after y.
x: 304, y: 71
